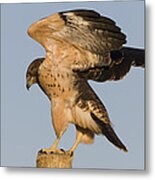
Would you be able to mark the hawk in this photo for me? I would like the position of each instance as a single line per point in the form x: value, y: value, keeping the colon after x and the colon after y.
x: 80, y: 45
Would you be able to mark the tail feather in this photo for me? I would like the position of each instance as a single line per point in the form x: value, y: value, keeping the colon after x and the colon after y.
x: 109, y: 133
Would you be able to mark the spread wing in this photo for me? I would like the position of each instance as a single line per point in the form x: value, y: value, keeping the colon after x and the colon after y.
x: 99, y: 41
x: 122, y: 61
x: 94, y: 33
x: 86, y: 30
x: 100, y: 35
x: 91, y: 31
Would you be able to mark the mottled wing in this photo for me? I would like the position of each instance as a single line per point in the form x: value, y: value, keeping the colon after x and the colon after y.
x: 122, y: 61
x: 91, y: 31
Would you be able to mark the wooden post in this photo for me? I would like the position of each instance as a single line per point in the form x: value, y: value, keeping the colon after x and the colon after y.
x: 54, y: 160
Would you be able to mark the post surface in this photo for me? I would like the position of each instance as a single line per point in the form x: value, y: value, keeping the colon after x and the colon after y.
x: 54, y: 160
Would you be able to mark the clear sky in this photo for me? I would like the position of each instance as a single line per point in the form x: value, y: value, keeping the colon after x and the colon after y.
x: 25, y: 116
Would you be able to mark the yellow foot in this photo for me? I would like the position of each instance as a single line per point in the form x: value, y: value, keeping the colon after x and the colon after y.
x: 51, y: 151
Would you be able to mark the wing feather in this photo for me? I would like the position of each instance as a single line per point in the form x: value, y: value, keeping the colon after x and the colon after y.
x: 91, y: 31
x: 122, y: 61
x: 96, y: 40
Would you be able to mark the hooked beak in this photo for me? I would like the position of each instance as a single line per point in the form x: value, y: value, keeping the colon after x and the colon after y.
x: 27, y: 87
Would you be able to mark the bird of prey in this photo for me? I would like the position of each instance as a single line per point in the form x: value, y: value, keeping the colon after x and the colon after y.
x: 80, y: 45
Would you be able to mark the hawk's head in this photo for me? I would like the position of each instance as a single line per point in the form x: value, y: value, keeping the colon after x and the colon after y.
x: 32, y: 72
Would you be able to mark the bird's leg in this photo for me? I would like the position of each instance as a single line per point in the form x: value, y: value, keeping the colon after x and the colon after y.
x: 53, y: 148
x: 78, y: 139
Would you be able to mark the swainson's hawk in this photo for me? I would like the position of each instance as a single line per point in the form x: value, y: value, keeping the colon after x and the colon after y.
x: 80, y: 45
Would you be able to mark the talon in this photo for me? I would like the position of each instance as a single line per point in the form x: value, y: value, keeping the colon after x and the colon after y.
x: 71, y: 153
x: 62, y: 150
x: 51, y: 151
x: 42, y: 151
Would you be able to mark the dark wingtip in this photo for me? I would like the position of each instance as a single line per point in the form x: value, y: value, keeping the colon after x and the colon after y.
x: 137, y: 56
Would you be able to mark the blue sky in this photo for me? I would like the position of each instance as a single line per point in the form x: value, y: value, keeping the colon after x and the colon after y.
x: 25, y: 116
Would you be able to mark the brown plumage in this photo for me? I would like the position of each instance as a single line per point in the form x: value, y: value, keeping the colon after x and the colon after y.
x: 80, y: 45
